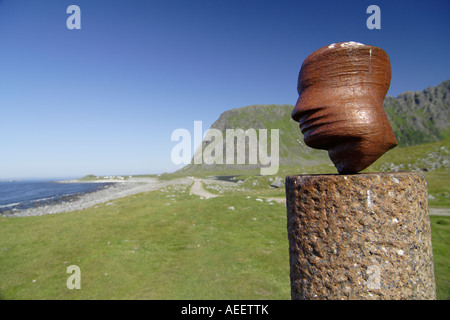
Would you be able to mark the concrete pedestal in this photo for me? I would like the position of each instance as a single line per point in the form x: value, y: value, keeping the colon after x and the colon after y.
x: 362, y: 236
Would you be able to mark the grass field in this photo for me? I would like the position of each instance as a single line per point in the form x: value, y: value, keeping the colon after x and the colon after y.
x: 440, y: 232
x: 160, y: 245
x: 165, y: 244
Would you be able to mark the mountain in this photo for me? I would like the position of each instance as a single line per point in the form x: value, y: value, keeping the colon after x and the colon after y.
x: 292, y: 149
x: 421, y: 116
x: 416, y: 118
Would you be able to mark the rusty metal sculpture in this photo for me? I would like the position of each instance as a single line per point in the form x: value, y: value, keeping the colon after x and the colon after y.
x: 340, y: 106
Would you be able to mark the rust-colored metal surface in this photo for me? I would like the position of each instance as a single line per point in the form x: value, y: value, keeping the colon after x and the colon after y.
x: 340, y: 106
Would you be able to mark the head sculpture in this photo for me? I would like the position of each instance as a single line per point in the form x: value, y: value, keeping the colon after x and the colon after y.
x: 340, y: 106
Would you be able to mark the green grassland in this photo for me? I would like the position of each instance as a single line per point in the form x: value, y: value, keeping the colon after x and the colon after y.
x: 167, y: 244
x: 440, y: 233
x: 164, y: 244
x: 160, y: 245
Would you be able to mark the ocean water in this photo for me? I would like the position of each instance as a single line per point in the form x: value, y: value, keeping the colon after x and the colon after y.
x: 18, y: 195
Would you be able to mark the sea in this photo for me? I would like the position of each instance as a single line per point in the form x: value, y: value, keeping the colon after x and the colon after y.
x: 19, y: 195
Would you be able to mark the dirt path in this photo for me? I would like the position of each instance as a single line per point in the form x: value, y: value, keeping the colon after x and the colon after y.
x: 197, y: 189
x: 439, y: 211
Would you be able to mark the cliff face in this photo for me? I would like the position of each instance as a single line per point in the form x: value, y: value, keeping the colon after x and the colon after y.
x: 421, y: 116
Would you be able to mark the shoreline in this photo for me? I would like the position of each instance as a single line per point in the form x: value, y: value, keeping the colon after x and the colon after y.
x: 95, y: 181
x: 87, y: 200
x: 49, y: 201
x: 116, y: 190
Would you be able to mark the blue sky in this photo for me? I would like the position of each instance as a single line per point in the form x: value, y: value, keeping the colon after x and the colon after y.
x: 105, y: 99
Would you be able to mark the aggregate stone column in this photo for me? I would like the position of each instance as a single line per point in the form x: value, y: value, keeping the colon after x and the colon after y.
x: 362, y: 236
